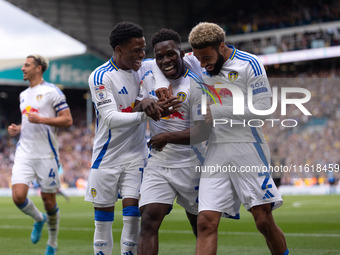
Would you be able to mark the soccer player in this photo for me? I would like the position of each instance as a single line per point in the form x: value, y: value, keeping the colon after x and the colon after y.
x: 119, y: 150
x: 170, y: 171
x: 43, y: 107
x: 238, y: 146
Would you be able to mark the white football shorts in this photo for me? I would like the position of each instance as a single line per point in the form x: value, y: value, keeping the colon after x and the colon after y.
x: 234, y: 173
x: 45, y: 170
x: 103, y: 184
x: 162, y: 185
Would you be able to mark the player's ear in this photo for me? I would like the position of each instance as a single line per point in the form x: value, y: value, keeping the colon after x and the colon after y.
x: 222, y: 48
x: 39, y: 67
x: 118, y: 49
x: 182, y: 54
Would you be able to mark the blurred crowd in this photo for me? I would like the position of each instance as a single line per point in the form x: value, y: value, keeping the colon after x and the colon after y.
x: 313, y: 146
x: 266, y: 15
x: 294, y: 41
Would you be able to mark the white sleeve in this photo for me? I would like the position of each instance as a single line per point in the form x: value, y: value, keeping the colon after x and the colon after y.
x: 58, y: 100
x: 146, y: 68
x: 195, y: 101
x: 102, y: 97
x: 161, y: 80
x: 147, y: 88
x: 258, y: 82
x: 191, y: 62
x: 115, y: 119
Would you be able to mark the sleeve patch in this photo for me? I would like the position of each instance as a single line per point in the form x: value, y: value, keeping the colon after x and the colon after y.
x: 260, y: 90
x: 101, y: 93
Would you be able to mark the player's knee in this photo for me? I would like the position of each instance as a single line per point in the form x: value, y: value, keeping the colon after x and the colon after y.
x: 18, y: 199
x: 149, y: 224
x: 206, y: 223
x: 263, y: 224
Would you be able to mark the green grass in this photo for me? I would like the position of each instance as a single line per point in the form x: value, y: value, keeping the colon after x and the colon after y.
x: 311, y: 225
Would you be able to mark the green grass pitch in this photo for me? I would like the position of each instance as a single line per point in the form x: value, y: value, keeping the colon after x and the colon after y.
x: 311, y: 225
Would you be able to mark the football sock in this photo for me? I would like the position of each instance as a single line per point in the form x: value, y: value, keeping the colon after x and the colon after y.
x: 103, y: 240
x: 53, y: 226
x: 286, y: 252
x: 29, y: 208
x: 131, y: 229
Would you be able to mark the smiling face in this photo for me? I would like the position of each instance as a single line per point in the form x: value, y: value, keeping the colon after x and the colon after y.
x: 30, y: 69
x: 169, y: 59
x: 211, y: 59
x: 131, y: 54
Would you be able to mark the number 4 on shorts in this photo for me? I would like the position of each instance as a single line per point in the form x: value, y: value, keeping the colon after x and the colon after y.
x: 51, y: 174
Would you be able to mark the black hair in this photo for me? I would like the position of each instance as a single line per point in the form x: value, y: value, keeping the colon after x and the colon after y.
x: 123, y: 32
x: 165, y: 35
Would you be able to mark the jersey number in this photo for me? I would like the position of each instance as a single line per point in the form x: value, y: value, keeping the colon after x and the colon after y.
x: 51, y: 174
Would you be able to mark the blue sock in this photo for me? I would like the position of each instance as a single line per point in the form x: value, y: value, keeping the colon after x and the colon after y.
x: 286, y: 252
x: 131, y: 211
x: 103, y: 216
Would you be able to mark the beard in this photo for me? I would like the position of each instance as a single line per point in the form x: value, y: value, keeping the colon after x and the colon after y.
x: 217, y: 66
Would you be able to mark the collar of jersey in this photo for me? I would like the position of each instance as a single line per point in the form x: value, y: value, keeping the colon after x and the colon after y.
x: 186, y: 73
x: 113, y: 64
x: 233, y: 53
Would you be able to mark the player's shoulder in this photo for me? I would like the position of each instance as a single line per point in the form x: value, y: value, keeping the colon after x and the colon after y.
x: 50, y: 87
x: 148, y: 62
x: 196, y: 82
x: 189, y: 55
x: 24, y: 92
x: 249, y: 60
x: 101, y: 71
x: 147, y: 76
x: 193, y: 76
x: 244, y: 56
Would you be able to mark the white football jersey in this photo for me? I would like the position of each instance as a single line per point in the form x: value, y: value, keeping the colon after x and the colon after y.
x: 176, y: 155
x: 110, y: 85
x: 39, y: 141
x: 242, y: 70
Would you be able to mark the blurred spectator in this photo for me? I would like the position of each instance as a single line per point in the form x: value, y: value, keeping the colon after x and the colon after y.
x: 266, y: 15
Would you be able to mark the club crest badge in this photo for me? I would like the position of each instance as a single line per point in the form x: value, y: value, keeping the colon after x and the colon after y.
x: 232, y: 76
x: 181, y: 96
x: 93, y: 192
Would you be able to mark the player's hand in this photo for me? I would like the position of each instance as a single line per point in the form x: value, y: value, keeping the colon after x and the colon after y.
x: 208, y: 117
x: 13, y: 129
x: 169, y: 106
x: 34, y: 118
x: 158, y: 142
x: 151, y: 108
x: 164, y: 93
